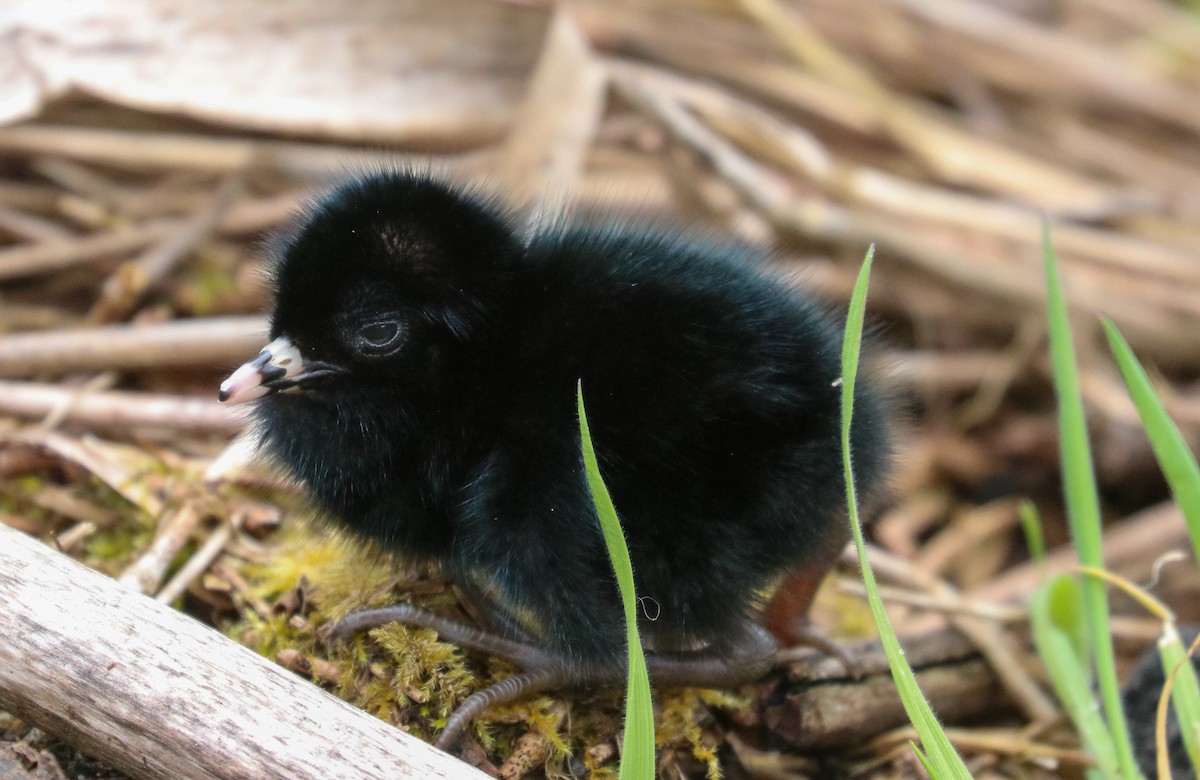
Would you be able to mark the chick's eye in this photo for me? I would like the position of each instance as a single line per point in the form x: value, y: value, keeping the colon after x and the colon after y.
x: 378, y: 337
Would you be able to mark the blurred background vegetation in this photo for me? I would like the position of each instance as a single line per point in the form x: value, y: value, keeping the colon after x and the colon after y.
x: 150, y: 147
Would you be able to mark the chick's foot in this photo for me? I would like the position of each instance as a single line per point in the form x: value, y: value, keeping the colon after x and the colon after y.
x: 746, y: 658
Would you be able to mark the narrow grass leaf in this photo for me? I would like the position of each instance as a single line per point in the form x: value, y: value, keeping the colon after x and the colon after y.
x: 1031, y: 524
x: 939, y: 758
x: 1180, y: 676
x: 637, y: 759
x: 1060, y: 633
x: 1177, y: 462
x: 1184, y: 691
x: 1083, y: 506
x: 929, y: 770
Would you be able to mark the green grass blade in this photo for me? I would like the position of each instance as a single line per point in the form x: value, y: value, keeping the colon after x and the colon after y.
x: 1174, y: 458
x: 1083, y: 506
x: 637, y: 759
x: 1061, y: 635
x: 1179, y: 466
x: 1031, y: 524
x: 1185, y: 694
x: 929, y: 770
x: 939, y: 757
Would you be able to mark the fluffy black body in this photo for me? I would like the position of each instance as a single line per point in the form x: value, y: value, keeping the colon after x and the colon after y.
x: 711, y: 389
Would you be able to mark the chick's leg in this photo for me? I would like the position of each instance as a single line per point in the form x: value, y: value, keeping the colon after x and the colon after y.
x: 546, y: 572
x: 787, y: 617
x: 540, y: 671
x: 744, y: 660
x: 519, y: 652
x: 747, y: 658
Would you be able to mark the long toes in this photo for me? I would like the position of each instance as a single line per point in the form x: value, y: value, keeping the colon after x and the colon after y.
x: 508, y: 689
x: 809, y: 636
x: 746, y: 660
x: 521, y: 653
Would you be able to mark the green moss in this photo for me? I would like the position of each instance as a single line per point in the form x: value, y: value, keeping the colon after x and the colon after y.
x: 269, y: 635
x: 14, y: 498
x: 426, y: 672
x: 680, y: 719
x: 111, y: 549
x: 347, y: 575
x: 209, y: 285
x: 409, y: 678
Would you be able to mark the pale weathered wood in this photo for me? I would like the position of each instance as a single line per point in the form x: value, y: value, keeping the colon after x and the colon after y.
x: 211, y: 341
x: 396, y: 71
x: 159, y: 695
x: 118, y: 410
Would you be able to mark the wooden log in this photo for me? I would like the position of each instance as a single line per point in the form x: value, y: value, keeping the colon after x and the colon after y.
x: 817, y: 706
x: 118, y: 410
x: 159, y: 695
x: 210, y: 341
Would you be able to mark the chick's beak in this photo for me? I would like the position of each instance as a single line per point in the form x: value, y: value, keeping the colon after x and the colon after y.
x: 261, y: 376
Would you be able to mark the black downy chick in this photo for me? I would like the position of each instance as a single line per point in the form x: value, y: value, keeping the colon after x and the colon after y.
x: 421, y: 382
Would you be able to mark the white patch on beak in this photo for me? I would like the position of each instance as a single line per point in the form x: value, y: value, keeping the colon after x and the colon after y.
x: 278, y: 360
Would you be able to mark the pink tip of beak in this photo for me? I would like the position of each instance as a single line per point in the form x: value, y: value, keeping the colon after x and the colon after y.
x: 244, y: 384
x: 277, y: 360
